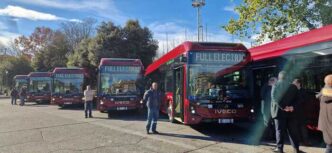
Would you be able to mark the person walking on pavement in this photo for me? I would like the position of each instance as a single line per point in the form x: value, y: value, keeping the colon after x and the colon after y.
x: 301, y: 102
x: 152, y: 98
x: 266, y: 107
x: 13, y: 95
x: 88, y: 97
x: 325, y: 113
x: 22, y: 94
x: 283, y: 98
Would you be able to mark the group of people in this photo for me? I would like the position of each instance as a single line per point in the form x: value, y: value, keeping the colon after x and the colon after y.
x: 283, y: 111
x: 14, y: 94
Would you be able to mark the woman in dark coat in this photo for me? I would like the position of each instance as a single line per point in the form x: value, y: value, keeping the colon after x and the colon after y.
x: 325, y: 113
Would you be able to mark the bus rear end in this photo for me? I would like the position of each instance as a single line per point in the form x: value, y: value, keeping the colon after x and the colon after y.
x: 40, y: 86
x: 119, y: 84
x: 68, y: 86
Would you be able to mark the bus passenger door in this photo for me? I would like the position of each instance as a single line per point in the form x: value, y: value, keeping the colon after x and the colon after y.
x: 178, y: 93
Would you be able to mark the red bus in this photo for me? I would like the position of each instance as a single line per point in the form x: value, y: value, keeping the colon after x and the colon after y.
x: 204, y: 82
x: 119, y: 84
x: 307, y: 56
x: 20, y: 81
x: 40, y: 86
x: 68, y: 86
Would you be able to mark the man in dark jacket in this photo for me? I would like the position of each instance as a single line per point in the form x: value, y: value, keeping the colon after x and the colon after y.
x: 152, y: 98
x: 300, y: 112
x: 22, y: 94
x: 266, y: 106
x: 13, y: 94
x: 283, y: 98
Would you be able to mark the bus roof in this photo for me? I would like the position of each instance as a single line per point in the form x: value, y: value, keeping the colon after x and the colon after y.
x: 279, y: 47
x: 187, y: 46
x: 120, y: 61
x: 68, y: 70
x: 21, y: 77
x: 40, y: 74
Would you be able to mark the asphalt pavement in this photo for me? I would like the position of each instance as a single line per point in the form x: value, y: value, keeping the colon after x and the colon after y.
x: 49, y: 129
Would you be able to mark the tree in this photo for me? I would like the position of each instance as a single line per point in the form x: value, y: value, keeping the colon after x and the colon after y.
x: 111, y: 41
x: 53, y: 55
x: 14, y: 66
x: 131, y: 41
x: 75, y: 32
x: 277, y: 19
x: 38, y: 40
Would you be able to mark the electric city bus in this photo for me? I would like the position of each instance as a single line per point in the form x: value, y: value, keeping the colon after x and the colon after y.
x: 67, y: 86
x: 20, y: 81
x: 204, y: 82
x: 120, y: 85
x: 40, y: 86
x: 307, y: 56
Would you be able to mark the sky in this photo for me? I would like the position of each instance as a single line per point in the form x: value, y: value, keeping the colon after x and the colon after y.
x: 175, y: 18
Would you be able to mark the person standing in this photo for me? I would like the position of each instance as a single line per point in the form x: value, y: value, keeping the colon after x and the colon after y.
x: 301, y: 102
x: 266, y: 106
x: 88, y: 97
x: 13, y: 95
x: 283, y: 100
x: 152, y: 98
x: 22, y: 94
x: 325, y: 113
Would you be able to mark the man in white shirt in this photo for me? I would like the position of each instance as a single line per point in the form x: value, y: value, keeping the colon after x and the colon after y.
x: 88, y: 97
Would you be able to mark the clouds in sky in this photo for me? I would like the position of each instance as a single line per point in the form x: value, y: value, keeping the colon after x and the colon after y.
x: 102, y: 8
x: 20, y: 12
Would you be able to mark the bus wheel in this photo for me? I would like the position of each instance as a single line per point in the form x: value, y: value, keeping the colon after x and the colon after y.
x: 61, y: 106
x: 170, y: 113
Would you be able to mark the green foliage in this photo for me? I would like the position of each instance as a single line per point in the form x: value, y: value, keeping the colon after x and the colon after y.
x: 52, y: 55
x: 111, y: 41
x: 279, y: 18
x: 14, y: 66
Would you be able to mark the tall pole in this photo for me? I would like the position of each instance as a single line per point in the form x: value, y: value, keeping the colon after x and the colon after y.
x: 198, y: 23
x: 198, y: 4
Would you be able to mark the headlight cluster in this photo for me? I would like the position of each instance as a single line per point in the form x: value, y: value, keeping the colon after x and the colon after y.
x: 192, y: 110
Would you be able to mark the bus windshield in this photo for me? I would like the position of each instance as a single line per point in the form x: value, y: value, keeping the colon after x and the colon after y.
x: 68, y: 83
x: 40, y: 85
x: 119, y: 83
x: 205, y: 82
x: 19, y: 83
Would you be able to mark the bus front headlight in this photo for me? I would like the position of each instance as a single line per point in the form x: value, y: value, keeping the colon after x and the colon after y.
x: 101, y: 103
x: 252, y: 110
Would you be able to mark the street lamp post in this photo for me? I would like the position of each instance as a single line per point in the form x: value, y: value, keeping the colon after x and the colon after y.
x: 198, y: 4
x: 6, y: 79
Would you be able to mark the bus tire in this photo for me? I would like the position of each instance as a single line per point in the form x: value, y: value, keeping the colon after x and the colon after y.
x: 61, y: 106
x: 170, y: 113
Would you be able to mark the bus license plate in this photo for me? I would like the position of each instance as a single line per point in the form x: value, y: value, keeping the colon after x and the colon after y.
x: 226, y: 121
x: 68, y: 103
x: 121, y: 108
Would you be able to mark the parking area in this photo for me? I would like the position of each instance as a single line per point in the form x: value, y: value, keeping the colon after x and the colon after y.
x: 47, y: 128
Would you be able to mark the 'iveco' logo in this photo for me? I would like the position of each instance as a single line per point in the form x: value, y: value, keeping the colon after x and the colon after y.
x: 225, y: 111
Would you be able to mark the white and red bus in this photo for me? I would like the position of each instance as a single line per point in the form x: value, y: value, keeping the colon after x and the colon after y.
x: 204, y: 82
x: 307, y: 56
x: 120, y: 85
x: 40, y: 86
x: 68, y: 86
x: 20, y: 81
